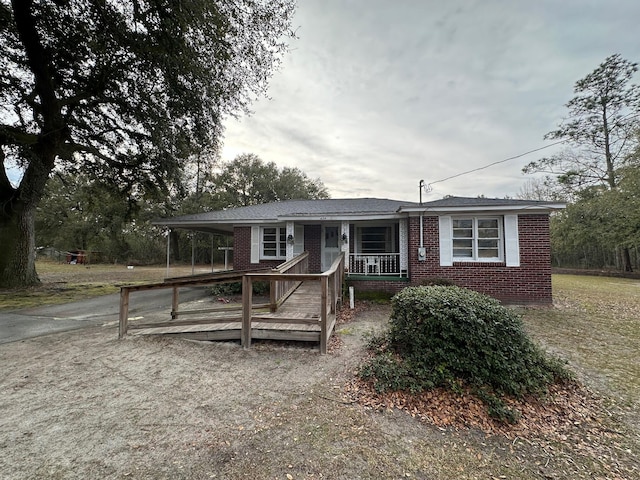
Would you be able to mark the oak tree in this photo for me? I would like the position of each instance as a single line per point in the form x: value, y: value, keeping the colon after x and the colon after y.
x: 122, y: 90
x: 247, y: 180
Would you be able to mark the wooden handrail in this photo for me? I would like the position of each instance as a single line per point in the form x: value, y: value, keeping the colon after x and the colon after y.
x: 175, y: 284
x: 329, y: 297
x: 281, y: 290
x: 289, y: 264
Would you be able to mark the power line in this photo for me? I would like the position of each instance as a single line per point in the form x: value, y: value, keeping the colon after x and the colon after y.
x: 496, y: 163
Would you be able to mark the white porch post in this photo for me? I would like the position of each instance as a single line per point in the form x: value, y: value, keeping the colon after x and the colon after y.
x: 404, y: 246
x: 212, y: 253
x: 193, y: 253
x: 290, y: 231
x: 344, y: 233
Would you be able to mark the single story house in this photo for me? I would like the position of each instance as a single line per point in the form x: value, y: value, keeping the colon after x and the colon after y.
x: 500, y: 247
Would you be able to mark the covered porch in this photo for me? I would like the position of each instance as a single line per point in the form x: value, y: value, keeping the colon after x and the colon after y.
x: 372, y: 234
x: 378, y: 248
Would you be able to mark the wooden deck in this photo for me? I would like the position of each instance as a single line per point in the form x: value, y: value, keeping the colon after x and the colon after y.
x: 301, y: 307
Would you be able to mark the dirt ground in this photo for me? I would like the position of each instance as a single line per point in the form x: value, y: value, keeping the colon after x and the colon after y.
x: 85, y: 405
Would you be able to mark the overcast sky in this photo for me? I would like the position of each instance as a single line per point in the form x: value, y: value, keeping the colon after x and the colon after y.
x: 378, y: 94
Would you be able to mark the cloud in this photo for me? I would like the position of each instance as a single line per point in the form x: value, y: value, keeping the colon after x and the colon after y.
x: 376, y: 95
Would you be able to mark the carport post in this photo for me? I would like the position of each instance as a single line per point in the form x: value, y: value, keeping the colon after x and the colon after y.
x: 247, y: 301
x: 168, y: 250
x: 193, y: 253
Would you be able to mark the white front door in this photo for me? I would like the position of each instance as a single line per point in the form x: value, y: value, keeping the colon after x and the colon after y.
x: 330, y: 245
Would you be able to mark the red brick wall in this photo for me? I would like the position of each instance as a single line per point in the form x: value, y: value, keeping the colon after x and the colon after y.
x: 242, y: 249
x: 377, y: 285
x: 528, y: 283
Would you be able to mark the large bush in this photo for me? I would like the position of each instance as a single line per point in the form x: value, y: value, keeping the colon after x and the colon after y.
x: 447, y: 336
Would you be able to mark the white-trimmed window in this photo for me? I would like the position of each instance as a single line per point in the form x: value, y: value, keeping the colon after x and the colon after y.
x: 477, y: 239
x: 273, y: 243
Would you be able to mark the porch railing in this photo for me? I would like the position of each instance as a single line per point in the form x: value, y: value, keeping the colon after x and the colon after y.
x: 374, y: 264
x: 330, y: 297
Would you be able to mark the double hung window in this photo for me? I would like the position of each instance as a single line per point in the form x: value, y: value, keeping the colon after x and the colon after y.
x: 477, y: 239
x: 273, y: 243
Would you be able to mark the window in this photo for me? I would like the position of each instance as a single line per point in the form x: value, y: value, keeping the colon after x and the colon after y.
x: 374, y: 239
x: 274, y: 242
x: 377, y: 239
x: 477, y: 239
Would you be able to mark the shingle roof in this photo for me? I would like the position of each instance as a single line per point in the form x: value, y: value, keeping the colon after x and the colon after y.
x: 291, y: 208
x: 345, y: 208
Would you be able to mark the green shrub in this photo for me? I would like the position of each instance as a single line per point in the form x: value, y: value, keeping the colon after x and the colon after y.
x: 226, y: 289
x: 235, y: 288
x: 447, y: 336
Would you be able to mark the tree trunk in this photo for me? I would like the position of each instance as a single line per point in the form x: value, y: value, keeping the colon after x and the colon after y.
x: 626, y: 260
x: 17, y: 219
x: 18, y: 205
x: 608, y: 156
x: 17, y: 255
x: 17, y: 235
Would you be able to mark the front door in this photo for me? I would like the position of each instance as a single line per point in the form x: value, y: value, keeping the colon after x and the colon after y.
x: 330, y: 245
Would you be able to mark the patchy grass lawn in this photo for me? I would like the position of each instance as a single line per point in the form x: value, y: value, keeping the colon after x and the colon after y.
x: 63, y: 283
x: 596, y: 326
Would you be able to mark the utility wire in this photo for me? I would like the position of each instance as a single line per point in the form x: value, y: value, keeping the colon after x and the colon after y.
x: 496, y: 163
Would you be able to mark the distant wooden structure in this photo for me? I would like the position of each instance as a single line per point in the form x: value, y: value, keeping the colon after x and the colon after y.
x: 301, y: 306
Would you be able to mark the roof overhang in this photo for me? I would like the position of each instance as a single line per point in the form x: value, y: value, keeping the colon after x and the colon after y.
x: 205, y: 227
x: 453, y: 206
x: 226, y: 226
x: 329, y: 217
x: 477, y: 209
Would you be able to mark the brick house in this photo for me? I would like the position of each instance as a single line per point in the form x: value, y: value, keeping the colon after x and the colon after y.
x: 500, y: 247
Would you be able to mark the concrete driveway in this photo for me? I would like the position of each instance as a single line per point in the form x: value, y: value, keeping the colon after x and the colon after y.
x: 34, y: 322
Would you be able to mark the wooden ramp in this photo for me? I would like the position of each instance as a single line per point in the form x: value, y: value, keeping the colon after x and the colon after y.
x: 301, y: 306
x: 298, y: 318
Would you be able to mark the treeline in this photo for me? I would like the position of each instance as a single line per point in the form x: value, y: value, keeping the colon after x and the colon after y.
x: 601, y: 229
x: 597, y: 172
x: 79, y: 212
